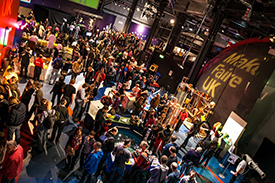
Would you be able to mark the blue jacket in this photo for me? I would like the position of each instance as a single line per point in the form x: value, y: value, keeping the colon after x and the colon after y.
x: 173, y: 177
x: 55, y: 60
x: 165, y: 150
x: 92, y: 161
x: 192, y: 156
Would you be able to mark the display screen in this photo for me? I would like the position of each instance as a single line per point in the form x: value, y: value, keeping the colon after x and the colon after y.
x: 89, y: 3
x: 233, y: 126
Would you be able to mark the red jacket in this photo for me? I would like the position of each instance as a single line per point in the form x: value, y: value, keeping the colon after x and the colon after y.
x: 158, y: 143
x: 102, y: 78
x: 38, y: 62
x: 13, y: 163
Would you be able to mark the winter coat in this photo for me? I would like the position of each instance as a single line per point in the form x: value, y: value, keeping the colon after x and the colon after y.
x: 158, y: 173
x: 92, y: 161
x: 17, y: 115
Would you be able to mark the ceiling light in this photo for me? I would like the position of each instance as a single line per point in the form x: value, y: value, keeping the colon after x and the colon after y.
x: 138, y: 9
x: 115, y: 4
x: 124, y: 7
x: 172, y: 21
x: 207, y: 30
x: 128, y: 9
x: 222, y: 30
x: 191, y: 29
x: 182, y: 27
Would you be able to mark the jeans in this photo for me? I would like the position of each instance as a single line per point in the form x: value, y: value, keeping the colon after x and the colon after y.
x: 55, y: 72
x: 42, y: 133
x: 186, y: 168
x: 77, y: 109
x: 5, y: 180
x: 37, y: 72
x: 58, y: 98
x: 16, y: 130
x: 86, y: 177
x: 119, y: 172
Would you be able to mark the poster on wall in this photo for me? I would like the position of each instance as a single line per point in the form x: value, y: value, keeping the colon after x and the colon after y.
x: 89, y: 3
x: 234, y: 127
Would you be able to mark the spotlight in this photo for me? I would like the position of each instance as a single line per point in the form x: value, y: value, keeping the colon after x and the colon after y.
x: 115, y: 4
x: 124, y: 7
x: 222, y: 30
x: 128, y: 9
x: 191, y: 29
x: 207, y: 30
x: 182, y: 27
x: 172, y: 21
x: 138, y: 9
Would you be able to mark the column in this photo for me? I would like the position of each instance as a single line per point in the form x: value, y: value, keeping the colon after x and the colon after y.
x: 175, y: 33
x: 130, y: 16
x: 208, y: 42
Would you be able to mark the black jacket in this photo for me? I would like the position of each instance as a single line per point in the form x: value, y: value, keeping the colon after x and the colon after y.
x: 17, y: 115
x: 64, y: 114
x: 108, y: 144
x: 38, y: 98
x: 4, y: 108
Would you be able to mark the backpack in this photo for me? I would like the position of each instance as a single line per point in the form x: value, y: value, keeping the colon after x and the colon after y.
x: 57, y: 114
x: 49, y: 120
x: 147, y: 164
x: 58, y: 64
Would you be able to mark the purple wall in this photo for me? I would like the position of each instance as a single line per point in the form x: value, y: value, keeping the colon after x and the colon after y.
x: 68, y: 7
x: 140, y: 30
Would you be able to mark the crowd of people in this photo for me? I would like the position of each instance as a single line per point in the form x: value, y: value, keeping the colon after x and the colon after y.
x: 108, y: 58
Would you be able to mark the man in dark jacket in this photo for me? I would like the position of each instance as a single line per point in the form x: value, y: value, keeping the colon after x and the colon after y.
x: 25, y: 60
x: 99, y: 118
x: 57, y: 65
x: 37, y: 99
x: 60, y: 123
x: 4, y: 108
x: 107, y: 147
x: 16, y: 118
x: 190, y: 159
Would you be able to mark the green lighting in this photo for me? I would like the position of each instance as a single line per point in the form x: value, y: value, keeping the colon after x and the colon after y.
x: 161, y: 56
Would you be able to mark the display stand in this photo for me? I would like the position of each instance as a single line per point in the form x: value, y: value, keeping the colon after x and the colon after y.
x: 231, y: 160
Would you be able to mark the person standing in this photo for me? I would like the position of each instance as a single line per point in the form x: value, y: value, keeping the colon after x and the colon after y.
x: 91, y: 163
x: 166, y: 151
x: 69, y: 92
x: 27, y: 94
x: 190, y: 159
x: 76, y: 68
x: 37, y: 98
x: 108, y: 146
x: 193, y: 130
x: 183, y: 115
x: 4, y: 108
x: 38, y: 67
x: 79, y: 101
x: 60, y: 123
x: 57, y: 65
x: 100, y: 118
x: 12, y: 165
x: 46, y: 122
x: 51, y: 40
x: 122, y: 155
x: 239, y: 170
x: 174, y: 176
x: 15, y: 119
x: 87, y: 147
x: 25, y: 60
x: 99, y: 77
x: 159, y: 173
x: 57, y: 89
x: 73, y: 147
x: 209, y: 153
x: 140, y: 157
